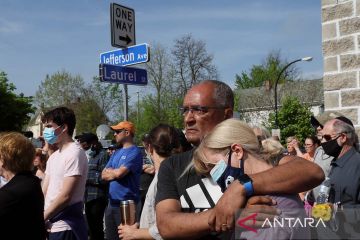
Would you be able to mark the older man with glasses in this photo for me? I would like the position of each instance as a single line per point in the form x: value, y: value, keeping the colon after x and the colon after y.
x: 123, y: 172
x: 338, y: 139
x: 185, y: 206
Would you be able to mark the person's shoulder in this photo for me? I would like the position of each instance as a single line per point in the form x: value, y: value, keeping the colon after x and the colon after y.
x: 24, y: 182
x: 71, y: 148
x: 355, y: 157
x: 180, y: 160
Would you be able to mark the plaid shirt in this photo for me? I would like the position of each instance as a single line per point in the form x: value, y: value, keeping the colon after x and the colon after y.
x: 95, y: 187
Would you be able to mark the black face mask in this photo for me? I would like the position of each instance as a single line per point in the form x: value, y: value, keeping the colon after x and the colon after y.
x: 230, y: 174
x: 332, y: 148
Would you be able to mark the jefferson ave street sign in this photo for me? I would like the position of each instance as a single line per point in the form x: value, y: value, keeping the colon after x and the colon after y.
x: 122, y: 21
x: 126, y: 56
x: 122, y: 75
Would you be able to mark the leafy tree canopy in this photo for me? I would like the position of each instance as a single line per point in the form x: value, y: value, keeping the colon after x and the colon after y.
x: 293, y: 118
x: 267, y: 71
x: 61, y: 88
x: 15, y: 109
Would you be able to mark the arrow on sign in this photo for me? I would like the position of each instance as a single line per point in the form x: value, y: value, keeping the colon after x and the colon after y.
x: 126, y: 39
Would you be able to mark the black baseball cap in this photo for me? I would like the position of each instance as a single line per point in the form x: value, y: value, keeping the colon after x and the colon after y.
x: 87, y: 137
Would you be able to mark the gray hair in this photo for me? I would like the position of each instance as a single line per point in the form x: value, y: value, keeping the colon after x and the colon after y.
x: 342, y: 127
x: 223, y: 95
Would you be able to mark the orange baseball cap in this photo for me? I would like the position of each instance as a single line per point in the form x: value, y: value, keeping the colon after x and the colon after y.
x: 129, y: 126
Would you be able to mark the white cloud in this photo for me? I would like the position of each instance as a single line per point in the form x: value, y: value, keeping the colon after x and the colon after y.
x: 8, y: 27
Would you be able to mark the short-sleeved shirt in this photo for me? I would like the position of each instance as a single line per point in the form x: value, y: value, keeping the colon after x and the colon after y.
x: 176, y: 181
x: 127, y: 187
x: 70, y: 161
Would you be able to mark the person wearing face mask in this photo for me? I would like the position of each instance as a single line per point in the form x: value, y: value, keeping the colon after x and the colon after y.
x: 65, y: 177
x: 338, y: 138
x: 229, y: 152
x: 96, y: 189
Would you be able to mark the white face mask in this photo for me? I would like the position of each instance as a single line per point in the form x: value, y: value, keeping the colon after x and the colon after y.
x: 218, y: 170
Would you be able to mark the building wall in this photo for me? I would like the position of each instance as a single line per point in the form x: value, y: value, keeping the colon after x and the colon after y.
x: 341, y: 51
x: 260, y: 118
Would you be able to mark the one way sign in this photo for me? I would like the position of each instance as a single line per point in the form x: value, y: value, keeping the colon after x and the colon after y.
x: 122, y: 26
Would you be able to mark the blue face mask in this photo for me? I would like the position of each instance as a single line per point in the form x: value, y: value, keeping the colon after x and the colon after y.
x: 49, y: 135
x: 224, y: 174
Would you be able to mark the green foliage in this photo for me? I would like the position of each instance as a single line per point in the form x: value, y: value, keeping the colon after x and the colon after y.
x: 108, y: 96
x: 293, y: 118
x: 267, y: 71
x: 150, y: 116
x: 15, y: 109
x: 59, y: 89
x: 88, y: 116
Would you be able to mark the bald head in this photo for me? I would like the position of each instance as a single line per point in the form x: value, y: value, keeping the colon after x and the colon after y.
x: 208, y: 103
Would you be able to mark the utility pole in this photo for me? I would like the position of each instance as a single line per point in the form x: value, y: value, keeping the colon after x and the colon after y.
x: 126, y: 109
x: 138, y: 111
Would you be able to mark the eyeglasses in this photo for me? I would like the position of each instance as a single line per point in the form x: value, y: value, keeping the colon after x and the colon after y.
x: 197, y: 110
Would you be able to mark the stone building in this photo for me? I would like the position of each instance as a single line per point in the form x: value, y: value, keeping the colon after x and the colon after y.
x: 341, y: 51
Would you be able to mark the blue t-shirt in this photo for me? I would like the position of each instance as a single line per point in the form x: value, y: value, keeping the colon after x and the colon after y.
x: 127, y: 187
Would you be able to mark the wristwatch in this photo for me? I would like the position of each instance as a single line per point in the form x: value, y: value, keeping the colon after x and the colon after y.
x: 246, y: 181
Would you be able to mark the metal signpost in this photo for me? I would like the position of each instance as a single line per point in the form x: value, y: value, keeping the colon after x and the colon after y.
x: 111, y: 68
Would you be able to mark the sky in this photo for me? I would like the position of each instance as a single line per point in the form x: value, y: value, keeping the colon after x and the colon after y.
x: 42, y: 37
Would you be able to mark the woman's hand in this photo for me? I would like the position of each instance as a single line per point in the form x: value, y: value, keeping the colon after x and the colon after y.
x: 149, y: 169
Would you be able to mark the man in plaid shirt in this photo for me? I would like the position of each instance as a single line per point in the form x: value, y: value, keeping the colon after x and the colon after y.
x: 96, y: 189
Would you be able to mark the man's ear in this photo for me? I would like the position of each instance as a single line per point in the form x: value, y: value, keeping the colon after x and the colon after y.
x: 228, y: 113
x: 343, y: 138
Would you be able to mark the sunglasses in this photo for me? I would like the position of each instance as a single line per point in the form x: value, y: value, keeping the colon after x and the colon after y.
x: 327, y: 137
x: 119, y: 131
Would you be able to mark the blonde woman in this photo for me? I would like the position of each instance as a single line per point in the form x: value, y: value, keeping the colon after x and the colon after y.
x: 232, y: 149
x: 272, y: 150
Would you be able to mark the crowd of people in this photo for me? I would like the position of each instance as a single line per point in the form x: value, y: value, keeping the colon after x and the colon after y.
x: 197, y: 183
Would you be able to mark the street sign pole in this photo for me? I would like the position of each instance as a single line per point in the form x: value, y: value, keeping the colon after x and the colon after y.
x: 126, y: 106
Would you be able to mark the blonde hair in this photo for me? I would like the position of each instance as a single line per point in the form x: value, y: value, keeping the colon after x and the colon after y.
x: 222, y: 137
x: 272, y: 149
x: 16, y: 152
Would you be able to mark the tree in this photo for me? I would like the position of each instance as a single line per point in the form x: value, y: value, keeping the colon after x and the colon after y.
x: 192, y: 62
x: 15, y: 109
x: 263, y: 75
x: 267, y: 71
x: 59, y: 89
x: 90, y: 103
x: 161, y: 103
x: 88, y: 115
x: 294, y: 119
x: 108, y: 97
